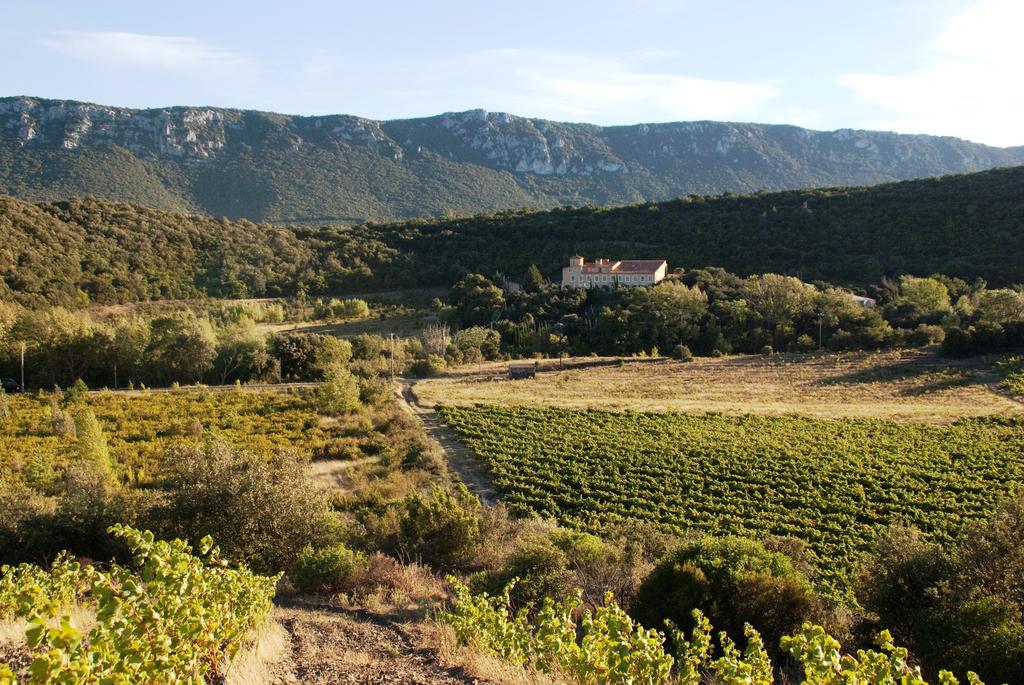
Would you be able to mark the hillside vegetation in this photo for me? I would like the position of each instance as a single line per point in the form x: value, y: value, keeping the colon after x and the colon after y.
x: 967, y: 226
x: 274, y: 167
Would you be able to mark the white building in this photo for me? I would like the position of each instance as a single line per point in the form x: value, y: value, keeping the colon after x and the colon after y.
x: 607, y: 272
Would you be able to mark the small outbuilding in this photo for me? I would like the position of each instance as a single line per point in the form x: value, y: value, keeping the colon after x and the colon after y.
x: 517, y: 370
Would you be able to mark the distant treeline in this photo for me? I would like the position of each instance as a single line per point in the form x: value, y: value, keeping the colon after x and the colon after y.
x: 93, y: 251
x: 714, y: 312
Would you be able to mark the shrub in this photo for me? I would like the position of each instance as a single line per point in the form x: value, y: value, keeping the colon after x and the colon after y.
x: 328, y: 569
x: 175, y: 617
x: 339, y: 391
x: 611, y: 650
x: 804, y: 343
x: 442, y: 529
x: 375, y: 390
x: 767, y: 350
x: 367, y: 346
x: 926, y: 334
x: 733, y: 581
x: 265, y: 510
x: 537, y: 569
x: 959, y: 609
x: 429, y: 367
x: 77, y: 390
x: 682, y: 353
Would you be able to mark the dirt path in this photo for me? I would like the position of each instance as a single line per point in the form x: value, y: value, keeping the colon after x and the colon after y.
x: 331, y: 646
x: 461, y: 459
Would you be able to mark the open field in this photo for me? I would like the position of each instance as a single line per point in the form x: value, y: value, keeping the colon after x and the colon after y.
x: 905, y: 385
x: 833, y: 483
x: 403, y: 325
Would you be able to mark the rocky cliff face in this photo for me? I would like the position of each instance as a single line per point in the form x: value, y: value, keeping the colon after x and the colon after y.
x: 262, y: 165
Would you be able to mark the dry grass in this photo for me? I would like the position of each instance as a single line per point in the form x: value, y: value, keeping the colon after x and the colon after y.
x: 259, y: 662
x: 389, y: 586
x: 903, y: 385
x: 12, y: 632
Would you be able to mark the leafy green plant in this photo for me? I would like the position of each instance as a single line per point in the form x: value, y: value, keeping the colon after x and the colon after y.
x: 173, y: 616
x: 605, y: 647
x: 824, y: 663
x: 612, y: 649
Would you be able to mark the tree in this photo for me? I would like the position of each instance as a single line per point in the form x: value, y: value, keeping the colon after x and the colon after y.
x: 92, y: 443
x: 485, y: 340
x: 338, y: 393
x: 59, y: 344
x: 533, y: 281
x: 476, y: 300
x: 241, y: 352
x: 779, y: 299
x: 304, y: 356
x: 181, y: 349
x: 670, y: 313
x: 128, y: 343
x: 435, y: 339
x: 999, y: 306
x: 929, y: 294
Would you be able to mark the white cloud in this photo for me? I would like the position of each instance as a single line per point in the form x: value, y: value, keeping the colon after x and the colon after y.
x: 582, y: 86
x: 969, y: 85
x: 178, y: 54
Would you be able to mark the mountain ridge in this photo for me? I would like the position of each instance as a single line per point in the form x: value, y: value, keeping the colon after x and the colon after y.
x: 348, y: 169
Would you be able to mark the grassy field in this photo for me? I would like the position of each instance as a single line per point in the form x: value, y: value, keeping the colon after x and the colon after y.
x: 140, y: 426
x: 833, y: 483
x: 907, y: 385
x: 403, y: 325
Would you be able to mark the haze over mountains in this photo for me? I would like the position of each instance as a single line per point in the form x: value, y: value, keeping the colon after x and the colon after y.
x: 346, y: 169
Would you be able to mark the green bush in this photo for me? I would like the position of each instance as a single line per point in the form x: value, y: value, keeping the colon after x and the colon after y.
x: 265, y: 510
x: 429, y: 367
x: 174, y: 617
x: 731, y: 580
x: 339, y: 392
x: 442, y: 529
x: 327, y: 569
x: 682, y: 353
x: 538, y: 568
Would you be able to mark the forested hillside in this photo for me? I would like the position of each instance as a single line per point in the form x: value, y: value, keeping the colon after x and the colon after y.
x: 968, y: 226
x: 346, y: 169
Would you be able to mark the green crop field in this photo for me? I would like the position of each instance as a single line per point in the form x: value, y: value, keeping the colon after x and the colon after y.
x: 140, y: 426
x: 830, y: 482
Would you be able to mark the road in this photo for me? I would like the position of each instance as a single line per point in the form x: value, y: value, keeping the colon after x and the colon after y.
x: 461, y: 460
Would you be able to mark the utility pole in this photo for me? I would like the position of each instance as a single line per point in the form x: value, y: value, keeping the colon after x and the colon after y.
x: 391, y: 361
x: 23, y: 366
x: 821, y: 319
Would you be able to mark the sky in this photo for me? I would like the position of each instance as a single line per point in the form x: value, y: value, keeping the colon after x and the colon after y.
x: 944, y: 67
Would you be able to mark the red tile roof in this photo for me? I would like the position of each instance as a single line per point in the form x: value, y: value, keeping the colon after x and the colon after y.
x: 638, y: 265
x: 630, y: 266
